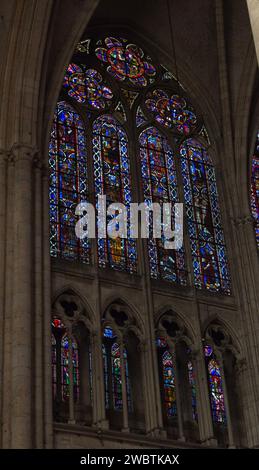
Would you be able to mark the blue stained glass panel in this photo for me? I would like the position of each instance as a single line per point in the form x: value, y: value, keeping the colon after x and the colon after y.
x: 159, y: 184
x: 112, y: 178
x: 68, y: 183
x: 208, y: 248
x: 255, y: 189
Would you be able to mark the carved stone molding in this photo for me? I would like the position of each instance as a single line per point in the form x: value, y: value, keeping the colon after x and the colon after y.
x: 244, y: 220
x: 25, y: 152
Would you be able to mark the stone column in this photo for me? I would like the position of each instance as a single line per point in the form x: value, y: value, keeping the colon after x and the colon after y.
x: 47, y: 382
x: 178, y: 398
x: 203, y: 401
x: 3, y: 165
x: 8, y: 305
x: 71, y: 383
x: 228, y: 414
x: 94, y: 355
x: 124, y: 389
x: 22, y: 399
x: 38, y: 323
x: 143, y: 353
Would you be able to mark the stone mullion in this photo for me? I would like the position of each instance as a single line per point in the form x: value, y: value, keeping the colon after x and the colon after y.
x: 152, y: 385
x: 177, y: 392
x: 124, y: 389
x: 226, y: 402
x: 204, y: 417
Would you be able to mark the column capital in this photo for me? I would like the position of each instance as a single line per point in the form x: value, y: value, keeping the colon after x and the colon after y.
x: 241, y: 365
x: 21, y: 152
x: 243, y: 220
x: 4, y: 155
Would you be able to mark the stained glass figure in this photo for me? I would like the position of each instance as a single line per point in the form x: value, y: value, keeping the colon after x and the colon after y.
x: 106, y: 375
x: 130, y: 96
x: 140, y: 117
x: 169, y: 385
x: 112, y: 373
x: 86, y: 86
x: 204, y: 221
x: 171, y: 112
x: 125, y: 61
x: 159, y: 183
x: 54, y: 364
x: 116, y: 377
x: 112, y: 178
x: 65, y: 366
x: 167, y: 376
x: 255, y: 189
x: 215, y: 387
x: 191, y: 377
x: 68, y: 183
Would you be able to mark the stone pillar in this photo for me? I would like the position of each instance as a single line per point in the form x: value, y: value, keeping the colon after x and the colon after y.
x: 203, y: 401
x: 3, y: 165
x: 95, y: 358
x: 71, y: 383
x: 178, y: 398
x: 124, y: 390
x: 143, y: 353
x: 47, y: 382
x: 38, y: 323
x: 228, y: 414
x: 7, y: 337
x: 22, y: 399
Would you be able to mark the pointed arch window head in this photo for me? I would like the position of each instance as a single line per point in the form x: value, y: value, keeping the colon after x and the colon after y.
x: 215, y: 387
x: 159, y: 184
x: 208, y: 247
x: 112, y: 178
x: 86, y: 85
x: 68, y: 183
x: 255, y: 189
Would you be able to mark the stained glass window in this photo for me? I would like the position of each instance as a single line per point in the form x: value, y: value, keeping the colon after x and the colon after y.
x: 159, y: 184
x: 112, y: 373
x: 86, y: 86
x: 68, y: 183
x: 65, y: 366
x: 191, y: 377
x: 171, y: 112
x: 140, y: 117
x: 167, y: 376
x: 54, y: 364
x: 215, y: 387
x: 112, y: 178
x: 204, y: 221
x: 125, y: 61
x: 169, y: 384
x: 255, y: 189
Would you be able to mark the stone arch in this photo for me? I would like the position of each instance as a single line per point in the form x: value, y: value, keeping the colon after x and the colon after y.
x: 82, y: 307
x: 186, y: 330
x: 134, y: 318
